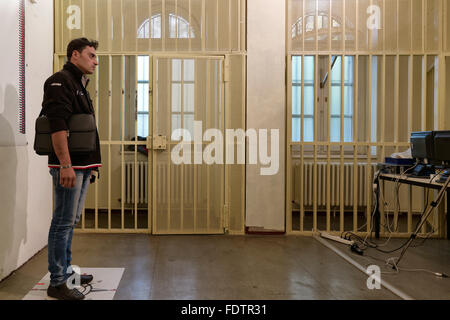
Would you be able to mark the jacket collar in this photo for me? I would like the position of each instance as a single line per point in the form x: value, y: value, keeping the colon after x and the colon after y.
x: 77, y: 73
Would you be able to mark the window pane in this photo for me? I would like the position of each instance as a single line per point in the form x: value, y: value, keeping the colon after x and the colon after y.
x: 296, y: 127
x: 348, y: 100
x: 189, y: 123
x: 335, y: 100
x: 142, y: 124
x: 189, y: 74
x: 297, y: 69
x: 189, y: 97
x: 309, y: 100
x: 335, y: 129
x: 336, y: 71
x: 143, y: 97
x: 348, y: 77
x: 309, y: 69
x: 348, y: 129
x: 176, y: 121
x: 308, y: 134
x: 296, y: 99
x: 143, y: 62
x: 176, y: 70
x: 176, y: 97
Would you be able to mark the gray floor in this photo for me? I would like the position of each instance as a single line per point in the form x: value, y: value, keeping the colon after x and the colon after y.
x: 237, y: 267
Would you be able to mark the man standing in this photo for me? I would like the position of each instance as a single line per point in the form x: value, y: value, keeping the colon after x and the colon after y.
x: 65, y: 94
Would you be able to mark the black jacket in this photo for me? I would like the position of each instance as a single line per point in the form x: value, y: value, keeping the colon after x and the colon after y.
x: 64, y: 95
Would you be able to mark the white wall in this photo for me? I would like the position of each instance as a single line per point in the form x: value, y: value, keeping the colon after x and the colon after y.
x: 25, y: 185
x: 266, y: 108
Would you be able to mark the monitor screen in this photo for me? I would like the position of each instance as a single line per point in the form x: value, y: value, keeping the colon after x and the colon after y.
x: 442, y: 146
x: 422, y: 145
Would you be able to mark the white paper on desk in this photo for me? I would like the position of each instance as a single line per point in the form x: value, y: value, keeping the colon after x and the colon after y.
x: 402, y: 155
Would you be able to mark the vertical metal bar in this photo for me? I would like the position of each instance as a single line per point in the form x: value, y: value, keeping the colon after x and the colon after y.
x: 384, y: 30
x: 190, y: 27
x: 369, y: 139
x: 356, y: 26
x: 398, y: 26
x: 316, y: 25
x: 141, y: 172
x: 110, y: 24
x: 97, y: 73
x: 355, y: 148
x: 424, y: 91
x: 208, y: 174
x: 169, y: 125
x: 288, y: 146
x: 302, y: 130
x: 203, y: 26
x: 328, y: 113
x: 341, y: 167
x: 153, y: 71
x: 136, y: 27
x: 221, y: 83
x: 445, y: 24
x: 230, y: 33
x: 150, y: 29
x: 164, y: 29
x: 343, y: 26
x: 412, y: 26
x: 383, y: 108
x: 109, y: 141
x: 316, y: 91
x: 196, y: 103
x: 182, y: 164
x: 122, y: 26
x: 303, y: 32
x: 151, y: 177
x: 410, y: 93
x: 396, y: 101
x: 330, y: 24
x: 122, y: 148
x: 176, y: 30
x: 424, y: 9
x: 239, y: 26
x: 217, y: 25
x: 369, y: 30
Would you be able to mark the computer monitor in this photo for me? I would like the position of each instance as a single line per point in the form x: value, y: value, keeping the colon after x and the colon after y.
x: 442, y: 148
x: 422, y: 146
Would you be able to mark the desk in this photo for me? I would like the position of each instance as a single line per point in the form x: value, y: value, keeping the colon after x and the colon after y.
x: 420, y: 182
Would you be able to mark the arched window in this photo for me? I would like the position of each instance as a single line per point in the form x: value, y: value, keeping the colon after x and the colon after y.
x: 322, y: 26
x: 179, y: 28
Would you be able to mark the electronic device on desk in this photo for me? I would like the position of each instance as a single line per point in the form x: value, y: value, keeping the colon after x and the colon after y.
x: 442, y: 153
x: 422, y: 149
x: 395, y: 165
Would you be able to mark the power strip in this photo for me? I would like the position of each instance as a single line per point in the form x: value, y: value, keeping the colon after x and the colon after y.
x: 335, y: 238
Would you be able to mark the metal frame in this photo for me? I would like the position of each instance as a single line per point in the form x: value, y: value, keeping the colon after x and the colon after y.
x: 439, y: 111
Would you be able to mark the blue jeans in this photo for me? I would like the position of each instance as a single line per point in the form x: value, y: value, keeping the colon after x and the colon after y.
x: 68, y: 204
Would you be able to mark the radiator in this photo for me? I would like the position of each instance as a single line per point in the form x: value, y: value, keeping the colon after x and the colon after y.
x: 136, y: 172
x: 335, y: 175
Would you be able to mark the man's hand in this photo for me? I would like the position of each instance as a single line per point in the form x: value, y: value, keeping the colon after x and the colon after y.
x: 67, y: 178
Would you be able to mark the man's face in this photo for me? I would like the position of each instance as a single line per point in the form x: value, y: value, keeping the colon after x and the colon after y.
x: 86, y: 61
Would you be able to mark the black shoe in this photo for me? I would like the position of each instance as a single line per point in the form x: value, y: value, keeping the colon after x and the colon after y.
x: 62, y: 292
x: 84, y: 278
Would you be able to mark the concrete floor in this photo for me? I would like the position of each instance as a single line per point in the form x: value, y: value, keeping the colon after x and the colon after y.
x: 236, y: 267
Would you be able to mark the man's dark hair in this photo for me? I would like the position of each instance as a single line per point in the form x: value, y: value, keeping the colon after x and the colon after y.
x: 79, y: 45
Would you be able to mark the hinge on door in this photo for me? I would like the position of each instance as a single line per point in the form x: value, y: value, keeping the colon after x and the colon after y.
x: 226, y: 69
x: 226, y: 217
